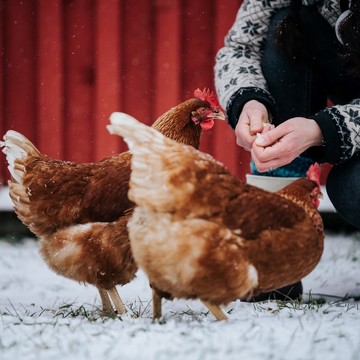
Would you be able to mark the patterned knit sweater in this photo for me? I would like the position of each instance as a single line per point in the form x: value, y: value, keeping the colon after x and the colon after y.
x: 238, y: 76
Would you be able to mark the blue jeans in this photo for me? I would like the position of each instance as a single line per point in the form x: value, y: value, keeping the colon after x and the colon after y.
x: 302, y: 89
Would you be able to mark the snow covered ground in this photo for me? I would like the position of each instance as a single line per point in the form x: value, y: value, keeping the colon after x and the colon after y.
x: 45, y: 316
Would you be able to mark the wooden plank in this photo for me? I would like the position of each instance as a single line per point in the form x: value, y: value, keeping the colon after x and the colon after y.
x: 3, y: 172
x: 79, y: 80
x: 197, y: 53
x: 20, y: 100
x: 197, y: 47
x: 50, y: 78
x: 167, y: 81
x: 138, y: 58
x: 18, y: 62
x: 107, y: 75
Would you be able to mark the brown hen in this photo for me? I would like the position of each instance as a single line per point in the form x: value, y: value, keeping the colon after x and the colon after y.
x: 78, y: 211
x: 199, y: 232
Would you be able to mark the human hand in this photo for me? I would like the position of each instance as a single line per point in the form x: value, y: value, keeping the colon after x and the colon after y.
x: 281, y: 145
x: 252, y: 120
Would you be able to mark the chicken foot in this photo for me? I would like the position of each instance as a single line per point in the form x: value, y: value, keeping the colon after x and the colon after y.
x: 215, y: 310
x: 107, y: 307
x: 156, y: 304
x: 105, y: 296
x: 115, y: 297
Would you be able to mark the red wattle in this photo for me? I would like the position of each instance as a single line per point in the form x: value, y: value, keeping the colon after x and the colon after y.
x: 207, y: 124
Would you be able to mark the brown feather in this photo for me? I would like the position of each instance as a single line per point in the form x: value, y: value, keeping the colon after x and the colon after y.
x: 80, y: 211
x: 96, y: 253
x: 63, y: 193
x: 199, y: 232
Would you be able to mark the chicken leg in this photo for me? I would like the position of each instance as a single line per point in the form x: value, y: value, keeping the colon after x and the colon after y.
x: 105, y: 296
x: 107, y: 307
x: 156, y: 304
x: 115, y: 297
x: 215, y: 310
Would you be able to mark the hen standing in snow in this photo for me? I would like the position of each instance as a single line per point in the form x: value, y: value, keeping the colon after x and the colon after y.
x: 79, y: 211
x: 199, y: 232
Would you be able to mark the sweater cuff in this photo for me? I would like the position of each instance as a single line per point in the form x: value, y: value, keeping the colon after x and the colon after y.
x: 242, y: 96
x: 330, y: 150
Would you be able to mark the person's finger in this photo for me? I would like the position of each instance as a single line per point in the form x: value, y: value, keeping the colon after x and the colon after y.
x: 269, y: 137
x: 265, y: 165
x: 267, y: 127
x: 257, y: 119
x: 270, y: 157
x: 266, y: 153
x: 243, y: 136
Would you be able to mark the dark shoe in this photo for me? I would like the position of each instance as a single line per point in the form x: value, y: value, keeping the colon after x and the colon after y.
x: 286, y: 293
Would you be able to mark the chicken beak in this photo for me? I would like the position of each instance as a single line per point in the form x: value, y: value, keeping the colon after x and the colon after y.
x: 208, y: 123
x: 218, y: 115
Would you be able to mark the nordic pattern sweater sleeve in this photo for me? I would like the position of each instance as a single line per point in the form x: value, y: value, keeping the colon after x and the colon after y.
x: 238, y: 78
x: 340, y: 126
x: 238, y: 75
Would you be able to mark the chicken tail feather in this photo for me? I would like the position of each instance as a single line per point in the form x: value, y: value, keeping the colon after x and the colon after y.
x: 150, y: 167
x: 134, y: 132
x: 17, y: 147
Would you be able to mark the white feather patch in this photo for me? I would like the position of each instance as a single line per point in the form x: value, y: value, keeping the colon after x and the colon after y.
x: 13, y: 151
x: 132, y: 130
x: 69, y: 250
x: 253, y: 275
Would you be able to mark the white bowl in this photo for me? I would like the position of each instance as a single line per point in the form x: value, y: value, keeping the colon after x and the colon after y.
x: 269, y: 183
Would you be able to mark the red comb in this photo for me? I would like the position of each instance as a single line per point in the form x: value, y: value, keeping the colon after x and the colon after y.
x: 314, y: 172
x: 208, y: 96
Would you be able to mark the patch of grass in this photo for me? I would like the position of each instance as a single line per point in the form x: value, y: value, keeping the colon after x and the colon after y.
x: 316, y: 302
x: 327, y: 298
x: 70, y: 310
x: 293, y: 305
x: 297, y: 305
x: 67, y: 310
x: 140, y: 309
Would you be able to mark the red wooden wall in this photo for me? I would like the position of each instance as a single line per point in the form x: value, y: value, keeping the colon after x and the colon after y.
x: 65, y: 66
